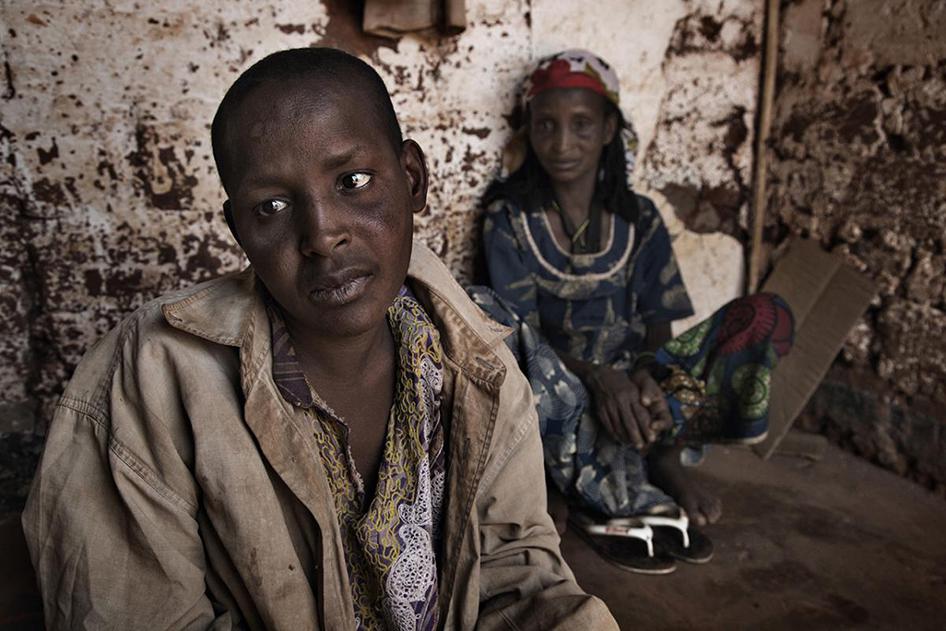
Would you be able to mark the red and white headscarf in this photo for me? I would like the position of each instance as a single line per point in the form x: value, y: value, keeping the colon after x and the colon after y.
x: 573, y: 69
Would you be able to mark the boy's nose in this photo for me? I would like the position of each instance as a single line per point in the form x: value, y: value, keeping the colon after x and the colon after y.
x: 322, y: 229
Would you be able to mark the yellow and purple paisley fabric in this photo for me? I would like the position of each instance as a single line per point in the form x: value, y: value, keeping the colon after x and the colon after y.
x: 391, y: 539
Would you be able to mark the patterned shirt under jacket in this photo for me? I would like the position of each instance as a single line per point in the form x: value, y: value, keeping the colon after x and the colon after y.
x: 390, y: 540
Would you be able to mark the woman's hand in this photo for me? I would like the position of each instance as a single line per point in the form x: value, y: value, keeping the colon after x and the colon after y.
x: 623, y: 404
x: 653, y: 398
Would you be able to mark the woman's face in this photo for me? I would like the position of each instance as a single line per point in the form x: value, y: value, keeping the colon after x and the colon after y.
x: 568, y: 129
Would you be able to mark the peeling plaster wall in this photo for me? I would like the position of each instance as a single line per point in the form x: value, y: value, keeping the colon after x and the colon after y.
x: 859, y: 144
x: 107, y: 186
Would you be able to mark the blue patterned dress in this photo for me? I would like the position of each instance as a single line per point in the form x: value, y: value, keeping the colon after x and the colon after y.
x: 596, y: 307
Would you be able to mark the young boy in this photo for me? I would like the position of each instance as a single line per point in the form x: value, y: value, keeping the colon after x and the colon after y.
x: 334, y: 438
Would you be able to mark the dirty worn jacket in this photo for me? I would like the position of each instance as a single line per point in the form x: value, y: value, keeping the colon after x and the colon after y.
x: 179, y: 490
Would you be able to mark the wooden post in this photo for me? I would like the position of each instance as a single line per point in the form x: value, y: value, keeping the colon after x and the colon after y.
x: 766, y: 98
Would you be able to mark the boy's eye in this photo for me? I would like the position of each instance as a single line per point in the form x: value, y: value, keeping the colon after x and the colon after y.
x: 354, y: 181
x: 270, y: 207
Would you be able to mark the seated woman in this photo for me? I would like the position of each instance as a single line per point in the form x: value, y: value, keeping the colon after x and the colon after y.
x: 578, y: 262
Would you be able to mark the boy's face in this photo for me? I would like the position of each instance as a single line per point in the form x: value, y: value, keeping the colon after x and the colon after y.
x: 322, y: 204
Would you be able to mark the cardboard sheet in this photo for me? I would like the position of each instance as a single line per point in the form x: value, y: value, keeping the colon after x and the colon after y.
x: 827, y: 297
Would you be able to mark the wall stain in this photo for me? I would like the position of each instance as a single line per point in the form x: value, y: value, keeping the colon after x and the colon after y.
x: 288, y: 29
x: 49, y: 192
x: 700, y: 156
x: 48, y: 155
x: 155, y: 166
x: 698, y: 33
x: 479, y: 132
x: 10, y: 92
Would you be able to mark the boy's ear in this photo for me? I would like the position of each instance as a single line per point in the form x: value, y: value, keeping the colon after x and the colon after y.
x: 228, y: 213
x: 415, y: 167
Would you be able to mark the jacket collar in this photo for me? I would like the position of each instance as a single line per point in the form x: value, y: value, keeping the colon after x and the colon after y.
x: 224, y: 310
x: 219, y: 310
x: 469, y: 337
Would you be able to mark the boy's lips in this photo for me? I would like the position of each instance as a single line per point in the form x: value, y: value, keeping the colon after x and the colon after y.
x: 340, y: 288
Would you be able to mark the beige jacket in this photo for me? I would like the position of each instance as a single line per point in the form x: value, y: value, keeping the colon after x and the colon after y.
x: 179, y: 490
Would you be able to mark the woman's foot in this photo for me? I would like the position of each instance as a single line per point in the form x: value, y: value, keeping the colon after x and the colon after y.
x: 669, y: 474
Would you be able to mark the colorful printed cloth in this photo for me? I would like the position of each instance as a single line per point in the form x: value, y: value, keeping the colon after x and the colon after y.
x: 390, y: 540
x: 731, y: 354
x: 594, y: 307
x: 716, y: 379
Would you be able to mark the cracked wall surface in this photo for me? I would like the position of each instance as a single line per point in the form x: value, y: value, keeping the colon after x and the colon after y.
x: 859, y: 144
x: 108, y: 190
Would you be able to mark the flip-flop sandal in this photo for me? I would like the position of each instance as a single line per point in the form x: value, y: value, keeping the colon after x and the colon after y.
x: 674, y: 536
x: 628, y: 546
x: 699, y: 550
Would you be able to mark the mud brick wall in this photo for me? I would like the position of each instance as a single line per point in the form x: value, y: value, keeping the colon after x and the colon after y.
x: 859, y: 145
x: 107, y: 188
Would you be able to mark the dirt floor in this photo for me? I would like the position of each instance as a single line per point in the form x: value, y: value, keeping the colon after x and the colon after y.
x: 838, y: 544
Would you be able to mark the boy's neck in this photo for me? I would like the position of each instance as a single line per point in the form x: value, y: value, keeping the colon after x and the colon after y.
x: 356, y: 377
x: 347, y: 362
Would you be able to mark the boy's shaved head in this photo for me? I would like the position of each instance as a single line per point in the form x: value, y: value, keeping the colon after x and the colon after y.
x: 328, y: 67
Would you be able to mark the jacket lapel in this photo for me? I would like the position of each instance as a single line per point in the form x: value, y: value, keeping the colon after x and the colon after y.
x: 289, y: 446
x: 234, y: 313
x: 474, y: 375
